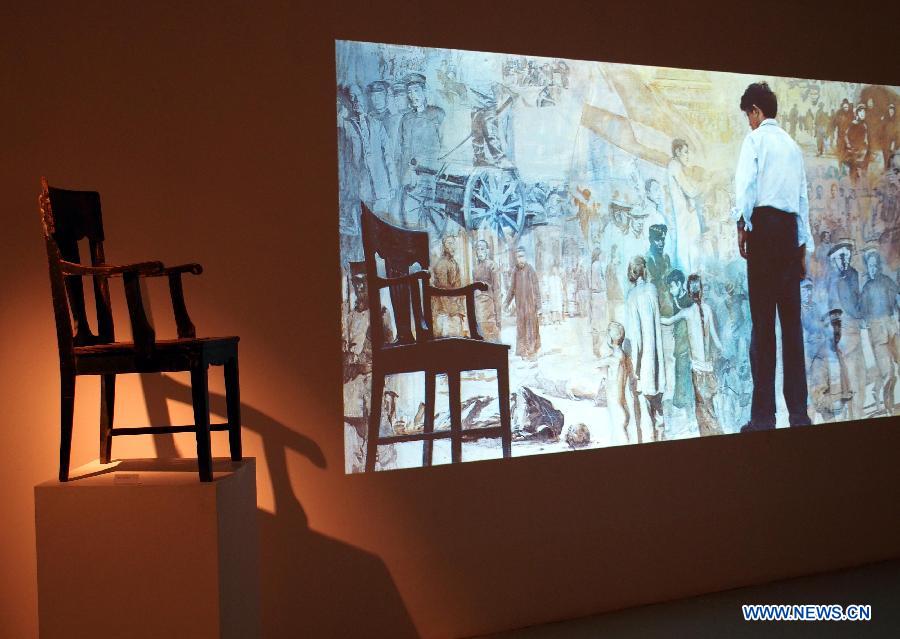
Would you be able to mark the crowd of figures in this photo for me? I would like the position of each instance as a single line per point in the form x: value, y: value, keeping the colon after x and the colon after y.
x: 856, y: 134
x: 650, y: 289
x: 849, y: 300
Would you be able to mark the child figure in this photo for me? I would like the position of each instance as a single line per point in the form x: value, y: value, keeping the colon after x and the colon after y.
x: 619, y: 379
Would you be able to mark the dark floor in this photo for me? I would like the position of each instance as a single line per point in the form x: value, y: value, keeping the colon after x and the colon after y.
x: 719, y: 614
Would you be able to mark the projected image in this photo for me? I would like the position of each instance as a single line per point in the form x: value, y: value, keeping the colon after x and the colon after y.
x: 596, y: 203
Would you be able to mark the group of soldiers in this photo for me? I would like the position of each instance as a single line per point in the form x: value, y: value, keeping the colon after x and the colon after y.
x: 837, y: 309
x: 390, y: 146
x: 551, y: 76
x: 382, y: 129
x: 850, y: 297
x: 853, y: 132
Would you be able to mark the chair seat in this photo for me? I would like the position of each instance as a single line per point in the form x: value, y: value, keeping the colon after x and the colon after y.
x: 167, y: 355
x: 445, y: 353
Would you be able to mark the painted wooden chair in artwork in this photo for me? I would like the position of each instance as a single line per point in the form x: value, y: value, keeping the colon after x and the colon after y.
x: 67, y: 217
x: 416, y: 348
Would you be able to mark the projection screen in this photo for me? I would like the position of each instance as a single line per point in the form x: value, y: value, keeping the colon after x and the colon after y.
x: 596, y: 202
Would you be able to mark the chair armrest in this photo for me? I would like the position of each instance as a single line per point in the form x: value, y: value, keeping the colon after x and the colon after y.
x: 425, y: 276
x: 192, y: 268
x: 458, y: 292
x: 111, y: 270
x: 469, y: 292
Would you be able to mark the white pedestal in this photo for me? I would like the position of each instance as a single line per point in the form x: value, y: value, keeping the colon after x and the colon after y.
x: 142, y: 548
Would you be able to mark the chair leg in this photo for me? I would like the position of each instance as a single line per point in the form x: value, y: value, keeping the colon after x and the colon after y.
x: 200, y: 397
x: 67, y: 414
x: 455, y: 418
x: 233, y: 407
x: 374, y: 420
x: 430, y: 381
x: 107, y: 415
x: 503, y: 399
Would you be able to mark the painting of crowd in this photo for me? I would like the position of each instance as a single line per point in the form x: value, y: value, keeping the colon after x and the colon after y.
x: 622, y: 292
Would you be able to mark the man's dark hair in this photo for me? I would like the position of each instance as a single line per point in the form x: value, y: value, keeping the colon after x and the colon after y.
x: 761, y: 95
x: 657, y: 231
x: 675, y: 276
x: 677, y: 145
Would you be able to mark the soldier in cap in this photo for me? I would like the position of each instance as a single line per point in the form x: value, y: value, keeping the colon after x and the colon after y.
x: 878, y: 302
x: 489, y: 142
x: 843, y: 294
x: 811, y: 316
x: 821, y: 124
x: 369, y: 152
x: 378, y: 96
x: 420, y: 137
x: 399, y: 103
x: 889, y: 135
x: 839, y: 124
x: 379, y: 93
x: 420, y: 127
x: 858, y: 144
x: 815, y: 334
x: 792, y: 119
x: 828, y: 375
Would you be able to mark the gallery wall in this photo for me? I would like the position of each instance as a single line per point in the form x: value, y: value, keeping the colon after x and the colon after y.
x: 209, y: 131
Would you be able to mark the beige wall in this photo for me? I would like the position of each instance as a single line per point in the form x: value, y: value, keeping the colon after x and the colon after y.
x: 210, y: 133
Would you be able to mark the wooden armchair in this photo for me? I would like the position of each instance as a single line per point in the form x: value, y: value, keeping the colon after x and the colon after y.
x: 415, y: 347
x: 67, y: 217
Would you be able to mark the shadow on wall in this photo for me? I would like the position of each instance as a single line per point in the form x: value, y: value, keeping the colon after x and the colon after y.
x: 337, y: 589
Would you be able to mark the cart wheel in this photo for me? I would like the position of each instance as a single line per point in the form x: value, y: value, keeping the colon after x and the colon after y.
x: 495, y: 199
x: 419, y: 211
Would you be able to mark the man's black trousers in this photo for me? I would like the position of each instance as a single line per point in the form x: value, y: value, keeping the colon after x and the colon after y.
x: 773, y: 283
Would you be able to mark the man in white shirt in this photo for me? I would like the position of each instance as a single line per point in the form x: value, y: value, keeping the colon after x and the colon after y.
x: 772, y: 214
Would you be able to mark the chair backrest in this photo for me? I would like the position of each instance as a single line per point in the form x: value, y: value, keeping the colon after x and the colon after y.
x: 67, y: 217
x: 401, y: 249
